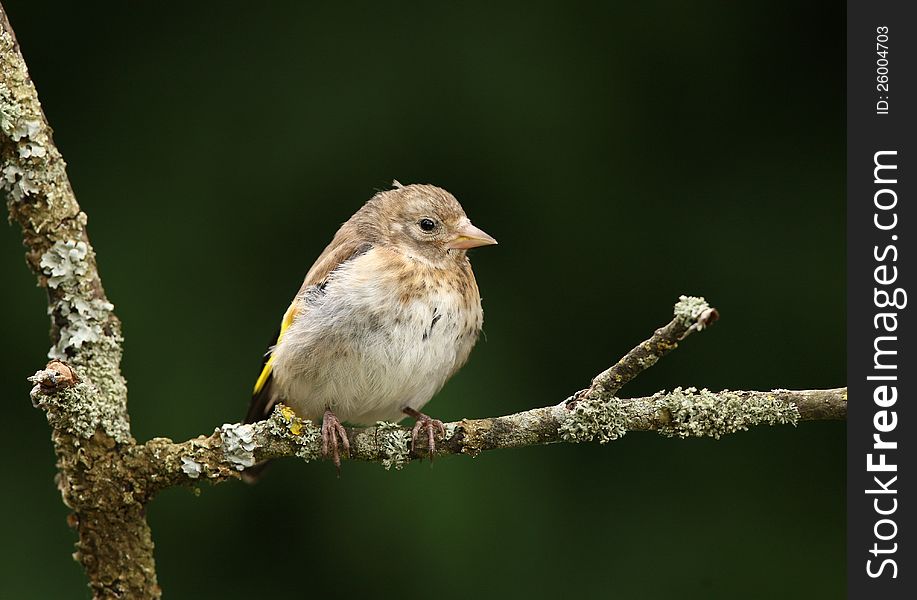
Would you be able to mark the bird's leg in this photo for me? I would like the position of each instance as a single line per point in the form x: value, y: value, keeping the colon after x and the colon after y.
x: 332, y: 432
x: 429, y: 425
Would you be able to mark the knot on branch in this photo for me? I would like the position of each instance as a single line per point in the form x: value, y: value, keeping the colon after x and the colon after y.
x: 55, y: 376
x: 76, y: 406
x: 591, y: 418
x: 701, y: 413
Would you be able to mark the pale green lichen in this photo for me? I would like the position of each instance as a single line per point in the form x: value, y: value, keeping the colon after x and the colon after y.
x: 304, y: 435
x: 81, y: 320
x: 30, y: 149
x: 100, y: 364
x: 22, y: 179
x: 80, y: 410
x: 25, y: 129
x: 87, y: 334
x: 17, y: 183
x: 12, y: 122
x: 10, y: 111
x: 238, y: 444
x: 690, y: 308
x: 394, y: 444
x: 85, y: 323
x: 191, y: 467
x: 593, y: 419
x: 65, y: 261
x: 645, y: 362
x: 701, y: 413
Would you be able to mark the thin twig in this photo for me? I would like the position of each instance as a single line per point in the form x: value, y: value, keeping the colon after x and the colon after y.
x: 691, y: 314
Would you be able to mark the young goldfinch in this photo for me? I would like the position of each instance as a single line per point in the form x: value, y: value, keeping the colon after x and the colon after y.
x: 386, y: 315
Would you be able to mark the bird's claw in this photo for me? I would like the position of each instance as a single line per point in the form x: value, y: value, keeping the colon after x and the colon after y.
x: 430, y: 427
x: 332, y: 433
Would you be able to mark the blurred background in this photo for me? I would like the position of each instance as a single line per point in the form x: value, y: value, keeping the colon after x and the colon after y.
x: 622, y: 155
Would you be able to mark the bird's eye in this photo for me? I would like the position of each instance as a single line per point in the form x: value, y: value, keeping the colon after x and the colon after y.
x: 427, y: 224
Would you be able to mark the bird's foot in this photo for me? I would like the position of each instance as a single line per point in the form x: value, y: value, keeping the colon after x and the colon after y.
x: 333, y: 433
x: 429, y: 426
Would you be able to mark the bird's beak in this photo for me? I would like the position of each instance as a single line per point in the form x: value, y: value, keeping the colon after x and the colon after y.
x: 470, y: 236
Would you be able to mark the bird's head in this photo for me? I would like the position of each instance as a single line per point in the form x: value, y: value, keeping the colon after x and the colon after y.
x: 427, y: 221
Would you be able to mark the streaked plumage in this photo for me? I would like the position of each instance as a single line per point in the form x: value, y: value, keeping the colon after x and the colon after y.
x: 385, y: 316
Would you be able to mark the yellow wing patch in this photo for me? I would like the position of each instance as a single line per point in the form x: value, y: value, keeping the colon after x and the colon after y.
x: 284, y: 325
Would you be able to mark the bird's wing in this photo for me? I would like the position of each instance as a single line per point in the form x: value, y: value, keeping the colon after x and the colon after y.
x: 342, y: 249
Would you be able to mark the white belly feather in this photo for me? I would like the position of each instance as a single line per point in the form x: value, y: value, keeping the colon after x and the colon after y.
x: 363, y: 350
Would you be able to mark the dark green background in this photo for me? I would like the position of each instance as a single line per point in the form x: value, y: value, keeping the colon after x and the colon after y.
x: 621, y: 155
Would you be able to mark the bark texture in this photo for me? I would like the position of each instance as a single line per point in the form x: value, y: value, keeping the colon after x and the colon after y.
x: 679, y: 413
x: 107, y: 478
x: 89, y: 418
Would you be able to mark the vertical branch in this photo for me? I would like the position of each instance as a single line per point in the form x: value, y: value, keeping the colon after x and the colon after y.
x: 87, y: 406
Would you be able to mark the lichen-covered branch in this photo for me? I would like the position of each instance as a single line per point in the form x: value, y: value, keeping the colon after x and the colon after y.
x: 89, y: 419
x: 679, y: 413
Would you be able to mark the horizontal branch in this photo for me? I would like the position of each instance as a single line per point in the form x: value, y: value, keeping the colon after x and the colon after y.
x: 233, y: 448
x: 594, y: 414
x: 680, y: 413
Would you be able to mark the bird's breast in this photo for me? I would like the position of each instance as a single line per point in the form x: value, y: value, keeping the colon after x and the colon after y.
x: 382, y: 334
